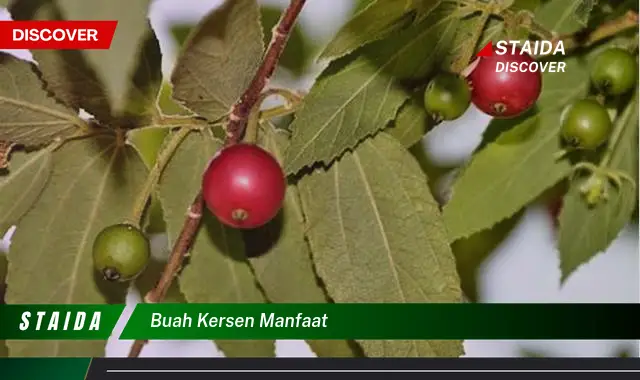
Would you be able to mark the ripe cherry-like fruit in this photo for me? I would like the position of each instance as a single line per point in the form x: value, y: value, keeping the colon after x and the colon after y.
x: 586, y: 124
x: 244, y: 186
x: 447, y: 96
x: 121, y: 252
x: 504, y: 94
x: 614, y: 72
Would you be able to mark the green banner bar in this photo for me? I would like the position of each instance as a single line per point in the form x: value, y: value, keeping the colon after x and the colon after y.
x: 384, y: 321
x: 77, y: 322
x: 41, y: 368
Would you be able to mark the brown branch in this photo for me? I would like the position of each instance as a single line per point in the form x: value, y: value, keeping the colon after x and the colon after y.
x: 235, y: 129
x: 609, y: 29
x: 179, y: 252
x: 280, y: 35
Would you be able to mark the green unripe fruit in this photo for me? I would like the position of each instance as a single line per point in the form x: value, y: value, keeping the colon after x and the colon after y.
x: 447, y: 97
x: 586, y: 124
x: 121, y: 252
x: 614, y: 72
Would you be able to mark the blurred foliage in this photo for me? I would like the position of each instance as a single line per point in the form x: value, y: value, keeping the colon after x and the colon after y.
x: 295, y: 57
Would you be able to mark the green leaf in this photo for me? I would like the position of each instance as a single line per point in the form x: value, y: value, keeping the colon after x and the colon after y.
x: 168, y: 105
x: 472, y: 252
x: 376, y: 21
x: 525, y: 5
x: 94, y: 80
x: 180, y: 32
x: 296, y: 54
x: 94, y: 184
x: 146, y: 82
x: 585, y: 232
x: 28, y: 114
x: 281, y: 258
x: 508, y: 173
x: 412, y: 122
x: 219, y: 59
x: 217, y: 271
x: 564, y: 16
x: 472, y: 34
x: 376, y: 235
x: 359, y: 95
x: 22, y: 185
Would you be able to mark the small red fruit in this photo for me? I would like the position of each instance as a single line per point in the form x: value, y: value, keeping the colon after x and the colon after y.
x: 504, y: 93
x: 244, y: 186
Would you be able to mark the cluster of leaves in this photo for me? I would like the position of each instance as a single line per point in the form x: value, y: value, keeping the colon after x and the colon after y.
x: 359, y: 223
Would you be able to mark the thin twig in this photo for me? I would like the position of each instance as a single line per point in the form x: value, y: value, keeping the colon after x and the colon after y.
x: 235, y: 129
x: 156, y: 171
x: 609, y: 29
x: 280, y: 35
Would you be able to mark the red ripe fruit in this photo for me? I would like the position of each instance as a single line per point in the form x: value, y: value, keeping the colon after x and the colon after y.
x: 244, y: 186
x: 505, y: 93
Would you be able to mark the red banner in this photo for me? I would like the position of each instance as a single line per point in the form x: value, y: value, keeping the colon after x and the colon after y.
x: 57, y: 35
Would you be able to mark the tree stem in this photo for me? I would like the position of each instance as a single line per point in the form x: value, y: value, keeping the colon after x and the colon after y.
x: 609, y: 29
x: 235, y: 129
x: 280, y: 35
x: 155, y: 173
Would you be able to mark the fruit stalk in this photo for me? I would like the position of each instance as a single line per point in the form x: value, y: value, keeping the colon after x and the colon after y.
x: 154, y: 175
x: 240, y: 111
x: 235, y: 129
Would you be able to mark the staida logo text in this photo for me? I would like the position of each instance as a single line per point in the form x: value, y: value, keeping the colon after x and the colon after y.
x: 56, y: 35
x: 533, y: 49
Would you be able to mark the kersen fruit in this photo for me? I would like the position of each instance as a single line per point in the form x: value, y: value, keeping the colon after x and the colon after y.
x: 121, y: 252
x: 244, y: 186
x: 447, y: 97
x: 504, y: 94
x: 586, y: 124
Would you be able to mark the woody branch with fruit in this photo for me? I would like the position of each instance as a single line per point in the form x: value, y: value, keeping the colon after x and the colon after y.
x: 319, y: 199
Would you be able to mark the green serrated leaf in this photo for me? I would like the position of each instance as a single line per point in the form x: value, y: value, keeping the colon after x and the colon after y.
x: 472, y: 34
x: 473, y: 251
x: 168, y: 105
x: 359, y: 95
x: 280, y: 255
x: 585, y: 232
x: 376, y: 21
x: 506, y: 174
x: 377, y: 236
x: 219, y: 59
x: 412, y: 122
x: 146, y: 82
x: 217, y: 271
x: 28, y: 114
x: 564, y: 16
x: 93, y: 184
x: 22, y: 185
x: 94, y: 80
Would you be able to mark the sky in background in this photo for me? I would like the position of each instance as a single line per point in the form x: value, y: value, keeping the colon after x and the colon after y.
x: 524, y: 268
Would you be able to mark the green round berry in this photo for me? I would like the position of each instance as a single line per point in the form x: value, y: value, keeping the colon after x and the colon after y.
x: 586, y: 124
x: 447, y: 96
x: 121, y: 252
x: 614, y: 72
